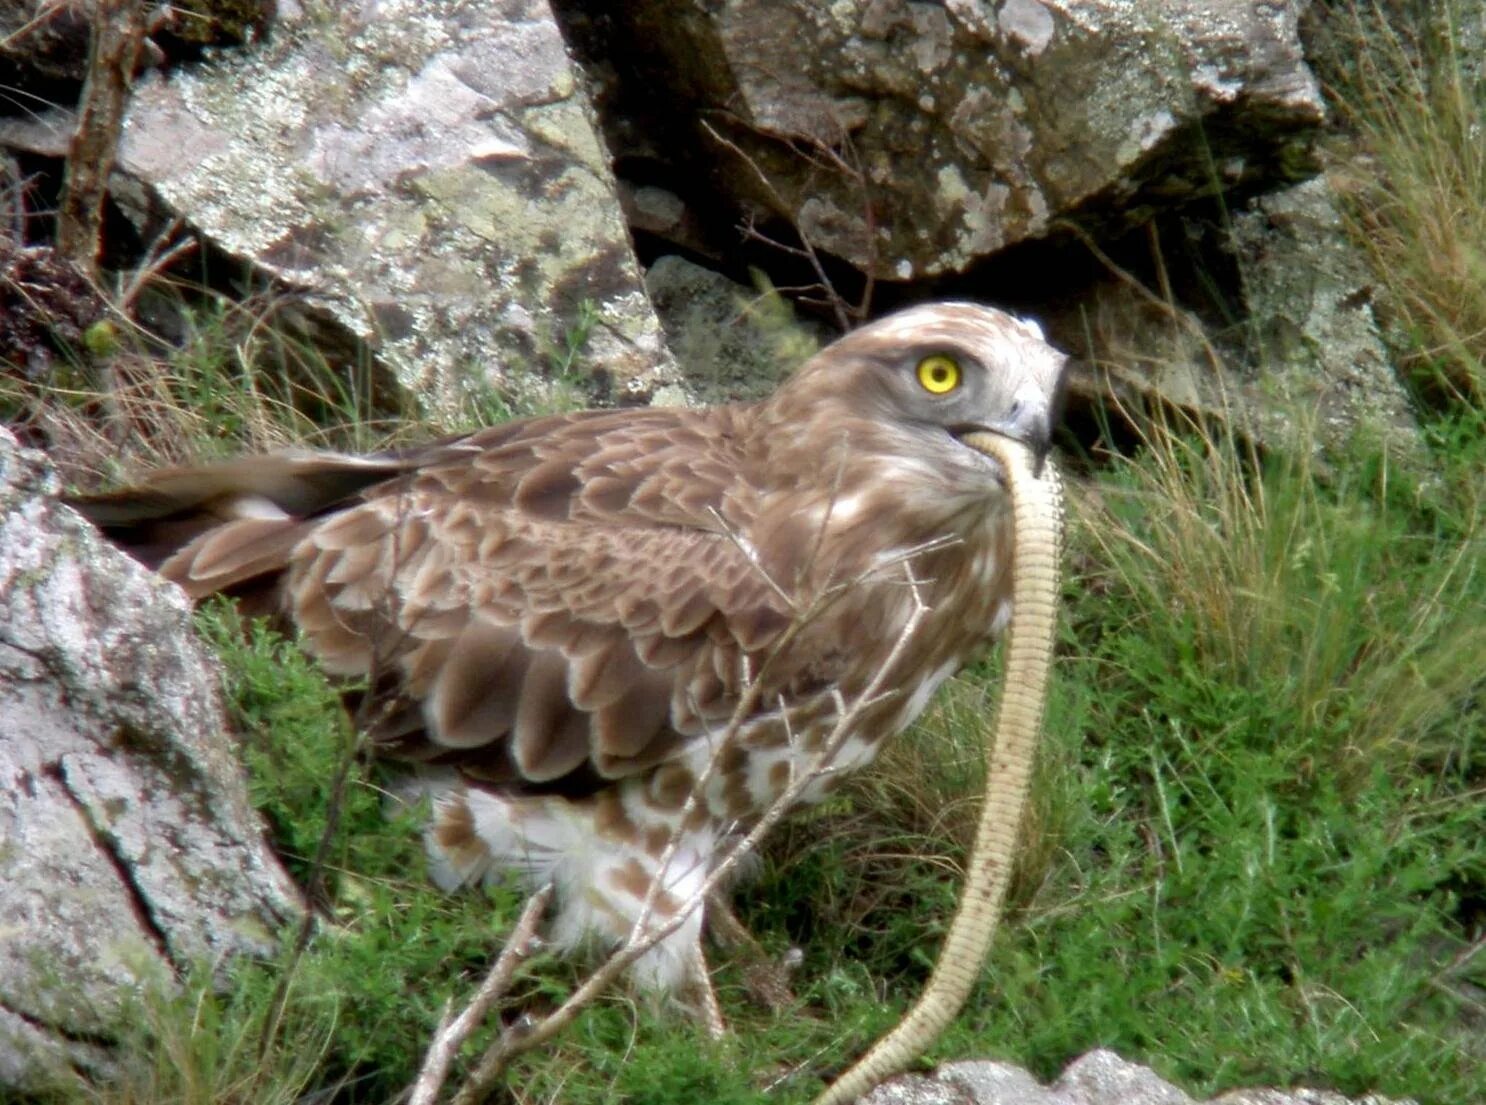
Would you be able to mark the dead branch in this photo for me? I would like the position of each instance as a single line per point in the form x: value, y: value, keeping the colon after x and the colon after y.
x: 1166, y: 306
x: 452, y: 1033
x: 162, y: 253
x: 821, y: 155
x: 118, y: 31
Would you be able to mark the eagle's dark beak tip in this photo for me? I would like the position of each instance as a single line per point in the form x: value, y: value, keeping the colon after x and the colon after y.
x: 1037, y: 435
x: 1042, y: 447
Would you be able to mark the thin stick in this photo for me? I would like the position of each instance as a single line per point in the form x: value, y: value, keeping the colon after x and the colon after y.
x: 452, y: 1034
x: 846, y: 314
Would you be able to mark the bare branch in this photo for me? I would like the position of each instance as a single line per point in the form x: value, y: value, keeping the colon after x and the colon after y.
x: 846, y: 314
x: 452, y: 1034
x: 1166, y: 306
x: 160, y: 256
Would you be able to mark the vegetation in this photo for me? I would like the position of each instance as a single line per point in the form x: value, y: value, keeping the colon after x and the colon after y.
x: 1415, y: 108
x: 1257, y: 855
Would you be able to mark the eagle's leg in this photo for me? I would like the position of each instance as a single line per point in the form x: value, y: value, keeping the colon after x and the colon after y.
x: 698, y: 995
x: 614, y: 884
x: 765, y: 978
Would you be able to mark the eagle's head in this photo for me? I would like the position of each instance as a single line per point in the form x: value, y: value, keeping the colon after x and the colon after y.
x: 905, y: 390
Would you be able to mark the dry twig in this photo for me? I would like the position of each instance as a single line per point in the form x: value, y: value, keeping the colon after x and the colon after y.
x: 847, y: 314
x: 453, y: 1032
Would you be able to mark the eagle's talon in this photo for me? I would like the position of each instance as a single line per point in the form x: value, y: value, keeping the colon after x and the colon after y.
x: 765, y: 979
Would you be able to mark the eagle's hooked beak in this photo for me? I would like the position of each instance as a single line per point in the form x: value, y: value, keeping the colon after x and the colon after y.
x: 1031, y: 424
x: 1027, y: 422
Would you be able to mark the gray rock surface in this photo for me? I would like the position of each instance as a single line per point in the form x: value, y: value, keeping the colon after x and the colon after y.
x: 1307, y: 365
x: 45, y: 39
x: 1010, y: 114
x: 425, y: 172
x: 1308, y: 292
x: 128, y: 848
x: 1099, y: 1078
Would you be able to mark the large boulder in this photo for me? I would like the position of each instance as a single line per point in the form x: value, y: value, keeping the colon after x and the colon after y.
x: 128, y: 848
x: 1306, y: 366
x: 917, y: 139
x: 1308, y: 292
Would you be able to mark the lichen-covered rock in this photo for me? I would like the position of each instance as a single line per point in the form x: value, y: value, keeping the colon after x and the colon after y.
x: 128, y: 849
x: 1099, y: 1078
x: 915, y: 139
x: 46, y: 306
x: 1308, y: 368
x: 425, y: 172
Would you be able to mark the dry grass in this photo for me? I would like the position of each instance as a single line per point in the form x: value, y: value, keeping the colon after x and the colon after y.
x: 238, y: 377
x: 1416, y: 186
x: 1271, y: 572
x: 195, y: 1047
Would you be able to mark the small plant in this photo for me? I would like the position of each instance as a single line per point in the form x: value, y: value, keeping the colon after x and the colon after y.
x: 562, y: 388
x: 564, y: 358
x: 198, y: 1045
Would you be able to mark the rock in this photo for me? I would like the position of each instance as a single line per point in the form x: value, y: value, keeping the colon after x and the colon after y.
x: 662, y: 213
x: 1306, y: 367
x: 426, y: 174
x: 43, y: 39
x: 732, y: 342
x: 46, y: 307
x: 48, y: 40
x: 1011, y: 115
x: 128, y: 849
x: 1099, y: 1078
x: 1307, y: 289
x: 913, y: 1089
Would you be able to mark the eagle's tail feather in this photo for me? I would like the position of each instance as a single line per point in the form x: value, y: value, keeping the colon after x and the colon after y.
x: 220, y: 527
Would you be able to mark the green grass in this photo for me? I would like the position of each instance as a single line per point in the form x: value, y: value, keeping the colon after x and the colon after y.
x: 1259, y: 849
x: 1270, y: 840
x: 1256, y: 856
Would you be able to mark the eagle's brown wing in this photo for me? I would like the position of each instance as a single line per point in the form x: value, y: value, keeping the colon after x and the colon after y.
x: 548, y: 603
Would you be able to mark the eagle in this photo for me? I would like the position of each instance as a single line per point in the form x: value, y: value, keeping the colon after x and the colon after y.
x: 609, y: 641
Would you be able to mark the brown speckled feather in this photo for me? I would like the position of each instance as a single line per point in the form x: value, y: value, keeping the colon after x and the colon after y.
x: 557, y: 621
x: 559, y: 596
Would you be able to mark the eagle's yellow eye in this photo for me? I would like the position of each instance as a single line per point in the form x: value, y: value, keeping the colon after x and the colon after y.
x: 939, y: 374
